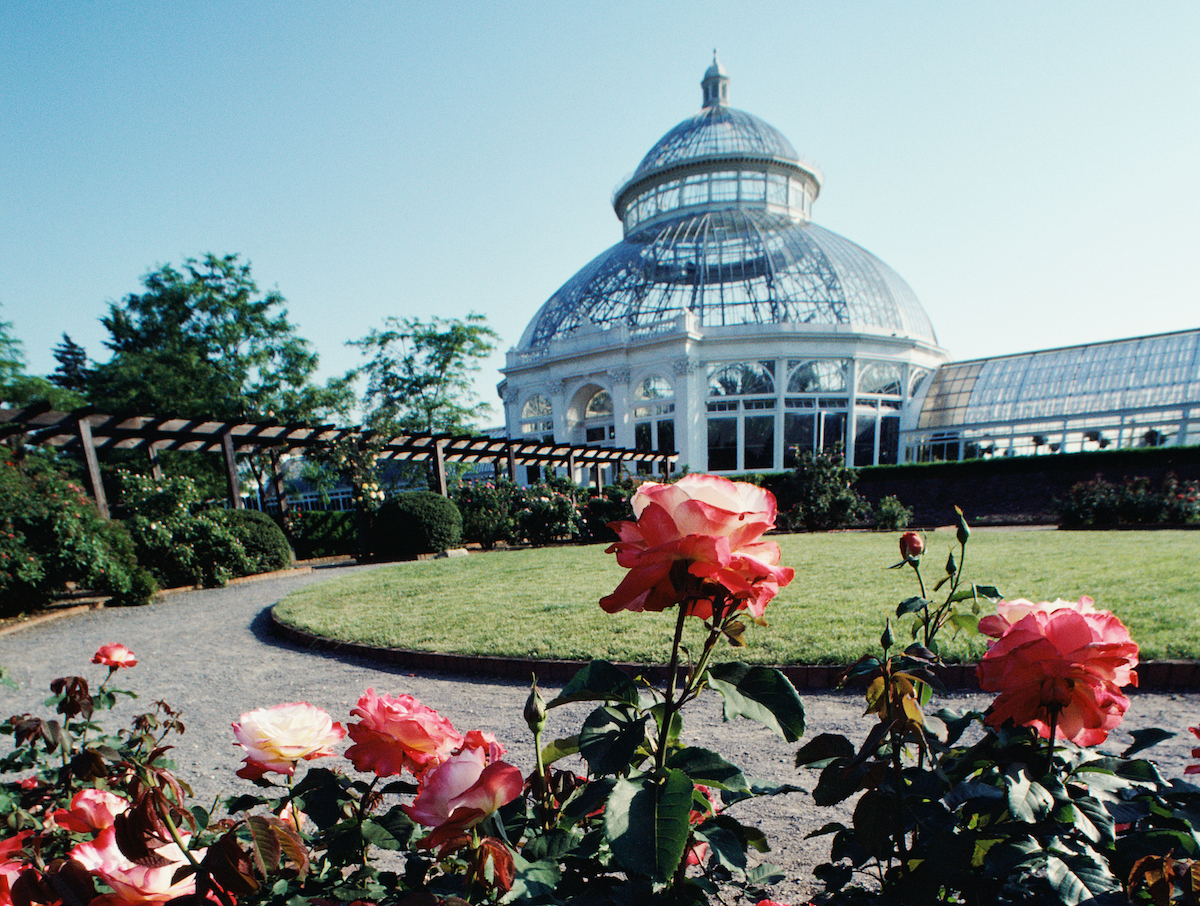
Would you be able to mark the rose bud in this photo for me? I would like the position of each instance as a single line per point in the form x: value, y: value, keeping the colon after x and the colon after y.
x: 912, y: 546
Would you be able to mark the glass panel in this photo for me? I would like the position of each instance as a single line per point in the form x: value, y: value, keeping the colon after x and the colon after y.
x: 599, y: 405
x: 741, y: 379
x: 879, y: 377
x: 724, y: 188
x: 754, y: 187
x: 654, y: 388
x: 833, y: 434
x: 864, y: 441
x: 536, y: 407
x: 760, y: 442
x: 817, y: 376
x: 595, y: 435
x: 722, y: 444
x: 777, y: 189
x: 799, y: 436
x: 889, y: 441
x: 666, y: 436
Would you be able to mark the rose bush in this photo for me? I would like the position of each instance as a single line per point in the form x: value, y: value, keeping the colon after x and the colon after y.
x: 278, y: 737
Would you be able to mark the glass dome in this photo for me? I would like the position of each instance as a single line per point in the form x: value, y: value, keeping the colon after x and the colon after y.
x: 732, y: 267
x: 717, y: 224
x: 713, y: 132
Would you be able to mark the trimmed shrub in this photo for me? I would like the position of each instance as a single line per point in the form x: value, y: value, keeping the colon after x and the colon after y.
x: 323, y: 533
x: 891, y: 515
x: 415, y: 523
x: 489, y: 511
x: 265, y: 543
x: 51, y: 534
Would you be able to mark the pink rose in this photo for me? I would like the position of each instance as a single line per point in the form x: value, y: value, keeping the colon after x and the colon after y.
x: 1008, y: 613
x: 1194, y: 768
x: 710, y: 528
x: 135, y: 884
x: 1063, y: 661
x: 461, y: 791
x: 91, y: 811
x: 398, y: 733
x: 114, y: 656
x: 282, y: 735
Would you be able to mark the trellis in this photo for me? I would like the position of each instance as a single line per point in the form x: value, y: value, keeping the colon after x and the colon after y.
x: 85, y: 431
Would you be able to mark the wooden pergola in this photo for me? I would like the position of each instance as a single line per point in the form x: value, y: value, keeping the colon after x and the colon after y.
x: 85, y: 431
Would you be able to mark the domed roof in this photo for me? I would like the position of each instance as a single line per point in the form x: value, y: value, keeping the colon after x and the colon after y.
x: 716, y: 132
x: 738, y: 266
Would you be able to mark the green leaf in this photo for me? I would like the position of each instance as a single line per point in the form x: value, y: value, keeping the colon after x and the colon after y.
x: 729, y: 850
x: 708, y: 768
x: 610, y: 739
x: 585, y: 800
x: 968, y: 622
x: 264, y: 845
x: 1082, y: 877
x: 533, y: 881
x: 559, y: 748
x: 762, y: 694
x: 823, y: 748
x: 1027, y: 800
x: 598, y: 681
x: 972, y: 590
x: 646, y: 823
x: 911, y: 605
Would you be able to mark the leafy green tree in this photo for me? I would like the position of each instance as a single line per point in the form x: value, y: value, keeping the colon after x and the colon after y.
x: 203, y: 341
x: 419, y: 377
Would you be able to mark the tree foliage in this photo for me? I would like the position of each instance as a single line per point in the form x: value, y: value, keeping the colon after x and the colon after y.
x: 20, y: 389
x: 203, y: 341
x: 419, y: 376
x: 72, y: 372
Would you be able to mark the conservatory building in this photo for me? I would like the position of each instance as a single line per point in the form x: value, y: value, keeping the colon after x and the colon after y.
x: 726, y: 326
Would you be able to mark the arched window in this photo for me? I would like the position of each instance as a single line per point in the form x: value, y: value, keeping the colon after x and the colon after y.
x: 598, y: 418
x: 741, y: 416
x: 537, y: 418
x: 881, y: 378
x: 817, y: 376
x: 742, y: 379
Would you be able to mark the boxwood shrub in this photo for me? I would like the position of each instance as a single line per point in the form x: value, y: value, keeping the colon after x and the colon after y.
x: 414, y: 523
x: 266, y: 545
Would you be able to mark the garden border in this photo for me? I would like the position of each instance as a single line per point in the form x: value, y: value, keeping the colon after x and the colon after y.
x: 1153, y: 676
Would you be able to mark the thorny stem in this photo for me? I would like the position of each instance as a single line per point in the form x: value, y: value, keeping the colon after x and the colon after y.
x: 187, y: 854
x: 362, y: 814
x: 1050, y: 740
x: 670, y: 706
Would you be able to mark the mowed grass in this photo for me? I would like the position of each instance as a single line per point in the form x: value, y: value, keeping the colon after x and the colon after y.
x: 543, y: 603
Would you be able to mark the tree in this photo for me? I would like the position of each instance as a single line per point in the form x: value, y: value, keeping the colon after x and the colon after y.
x: 20, y: 389
x: 72, y: 372
x: 204, y: 342
x: 419, y: 374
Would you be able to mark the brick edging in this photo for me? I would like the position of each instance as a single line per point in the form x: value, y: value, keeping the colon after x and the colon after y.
x: 1153, y: 676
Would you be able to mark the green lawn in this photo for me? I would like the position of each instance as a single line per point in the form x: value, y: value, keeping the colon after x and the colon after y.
x: 543, y: 603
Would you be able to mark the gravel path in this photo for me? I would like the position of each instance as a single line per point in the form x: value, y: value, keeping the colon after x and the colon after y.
x: 211, y: 653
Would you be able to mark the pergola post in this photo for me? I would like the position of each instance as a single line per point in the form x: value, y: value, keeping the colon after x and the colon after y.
x: 155, y: 465
x: 439, y: 467
x: 512, y: 462
x: 277, y: 482
x: 231, y: 476
x: 571, y: 466
x: 84, y: 432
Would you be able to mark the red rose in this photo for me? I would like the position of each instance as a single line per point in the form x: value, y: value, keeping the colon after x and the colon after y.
x: 708, y: 526
x: 91, y: 811
x: 1062, y: 662
x: 394, y: 734
x: 912, y: 546
x: 114, y: 656
x: 280, y: 736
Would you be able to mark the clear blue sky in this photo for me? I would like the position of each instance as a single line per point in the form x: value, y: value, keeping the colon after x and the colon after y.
x: 1032, y: 169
